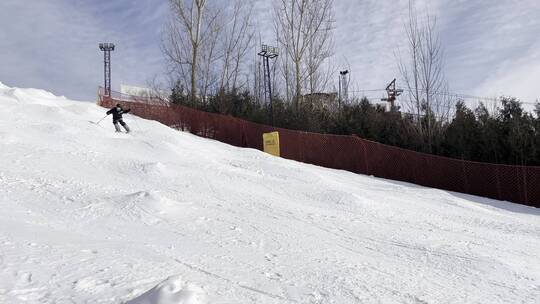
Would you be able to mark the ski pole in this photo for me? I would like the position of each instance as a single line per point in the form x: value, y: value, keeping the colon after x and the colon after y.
x: 101, y: 119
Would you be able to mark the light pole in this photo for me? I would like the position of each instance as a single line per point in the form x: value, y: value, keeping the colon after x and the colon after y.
x: 343, y: 85
x: 107, y: 48
x: 268, y: 52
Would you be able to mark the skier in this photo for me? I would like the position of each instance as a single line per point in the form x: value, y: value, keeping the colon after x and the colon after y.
x: 117, y: 117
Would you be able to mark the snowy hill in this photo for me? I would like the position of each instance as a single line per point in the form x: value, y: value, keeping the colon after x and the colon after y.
x: 90, y: 216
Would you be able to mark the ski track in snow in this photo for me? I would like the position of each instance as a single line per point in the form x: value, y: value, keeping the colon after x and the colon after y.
x: 90, y: 216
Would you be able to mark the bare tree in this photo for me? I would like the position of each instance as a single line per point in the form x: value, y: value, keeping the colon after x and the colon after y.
x: 409, y: 67
x: 188, y: 34
x: 238, y: 39
x: 206, y: 45
x: 156, y: 92
x: 320, y: 49
x: 303, y: 28
x: 210, y: 55
x: 423, y: 74
x: 256, y: 68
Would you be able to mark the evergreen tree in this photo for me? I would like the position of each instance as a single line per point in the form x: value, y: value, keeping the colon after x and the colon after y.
x: 517, y: 132
x: 488, y: 146
x: 179, y: 94
x: 460, y: 138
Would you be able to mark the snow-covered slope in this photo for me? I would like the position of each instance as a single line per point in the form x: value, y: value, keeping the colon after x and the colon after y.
x: 161, y: 216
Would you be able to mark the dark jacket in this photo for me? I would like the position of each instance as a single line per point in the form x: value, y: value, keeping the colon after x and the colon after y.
x: 117, y: 112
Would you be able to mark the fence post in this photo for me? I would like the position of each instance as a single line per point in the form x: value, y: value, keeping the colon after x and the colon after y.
x: 300, y: 136
x: 498, y: 182
x: 365, y: 152
x: 464, y: 176
x: 524, y: 172
x: 244, y: 137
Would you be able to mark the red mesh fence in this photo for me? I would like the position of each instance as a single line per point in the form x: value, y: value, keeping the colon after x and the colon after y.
x: 518, y: 184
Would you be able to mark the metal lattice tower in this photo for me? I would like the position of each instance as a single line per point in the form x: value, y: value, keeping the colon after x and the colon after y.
x: 268, y: 52
x: 107, y: 48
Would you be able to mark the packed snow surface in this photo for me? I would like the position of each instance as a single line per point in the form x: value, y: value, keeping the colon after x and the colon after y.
x: 164, y: 217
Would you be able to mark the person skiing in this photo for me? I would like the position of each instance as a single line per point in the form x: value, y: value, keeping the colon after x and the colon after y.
x: 117, y: 117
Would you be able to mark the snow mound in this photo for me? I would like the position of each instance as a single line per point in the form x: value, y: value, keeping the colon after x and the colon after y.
x: 32, y: 96
x: 149, y: 206
x: 172, y: 291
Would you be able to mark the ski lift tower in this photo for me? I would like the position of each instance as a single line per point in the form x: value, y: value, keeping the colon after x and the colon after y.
x: 107, y: 48
x: 392, y: 94
x: 268, y: 52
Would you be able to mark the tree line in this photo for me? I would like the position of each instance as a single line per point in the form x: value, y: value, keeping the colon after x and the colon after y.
x: 211, y: 45
x: 510, y: 135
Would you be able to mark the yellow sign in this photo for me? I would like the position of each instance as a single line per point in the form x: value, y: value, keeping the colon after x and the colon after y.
x: 271, y: 143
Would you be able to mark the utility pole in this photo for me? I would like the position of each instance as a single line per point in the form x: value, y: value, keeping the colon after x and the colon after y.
x: 268, y: 52
x: 107, y: 48
x: 392, y: 93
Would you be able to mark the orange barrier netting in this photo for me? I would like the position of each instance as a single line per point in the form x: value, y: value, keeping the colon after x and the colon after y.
x: 519, y: 184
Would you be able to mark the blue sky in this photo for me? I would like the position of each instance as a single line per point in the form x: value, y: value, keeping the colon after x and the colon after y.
x: 491, y: 47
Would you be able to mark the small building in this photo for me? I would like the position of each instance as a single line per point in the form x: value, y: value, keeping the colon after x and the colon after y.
x: 328, y: 101
x: 141, y: 94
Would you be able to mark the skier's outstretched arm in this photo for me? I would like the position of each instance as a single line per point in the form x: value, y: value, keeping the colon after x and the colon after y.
x: 109, y: 112
x: 127, y: 111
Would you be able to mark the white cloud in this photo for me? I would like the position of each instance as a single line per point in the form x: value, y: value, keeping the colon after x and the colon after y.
x: 54, y: 44
x: 490, y: 45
